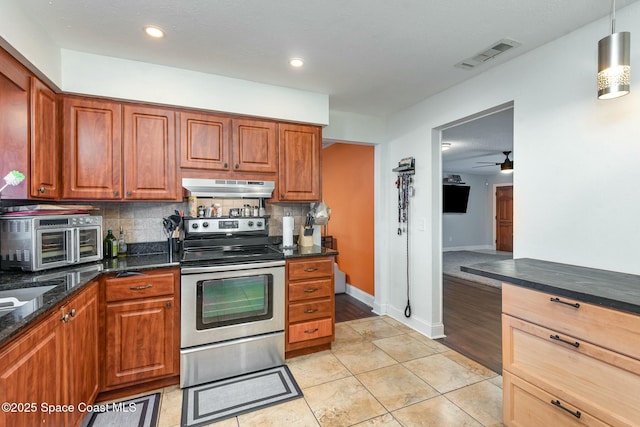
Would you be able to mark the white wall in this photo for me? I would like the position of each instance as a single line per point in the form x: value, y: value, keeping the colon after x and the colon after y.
x: 120, y: 78
x: 576, y: 174
x: 470, y: 230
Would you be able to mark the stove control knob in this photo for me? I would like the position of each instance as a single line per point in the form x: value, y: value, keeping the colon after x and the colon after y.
x: 259, y: 223
x: 194, y: 225
x: 205, y: 224
x: 250, y: 223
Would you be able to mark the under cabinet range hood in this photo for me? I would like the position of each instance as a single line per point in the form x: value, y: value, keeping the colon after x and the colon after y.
x: 230, y: 188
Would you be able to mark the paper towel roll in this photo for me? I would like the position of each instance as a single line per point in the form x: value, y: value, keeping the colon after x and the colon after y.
x: 287, y: 231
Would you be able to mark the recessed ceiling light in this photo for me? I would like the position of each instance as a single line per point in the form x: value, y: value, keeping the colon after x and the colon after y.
x: 296, y: 62
x: 153, y: 31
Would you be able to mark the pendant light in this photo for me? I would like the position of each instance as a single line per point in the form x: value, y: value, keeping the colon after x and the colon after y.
x: 614, y: 65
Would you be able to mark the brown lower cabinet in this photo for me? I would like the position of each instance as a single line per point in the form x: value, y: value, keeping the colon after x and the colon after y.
x: 141, y: 328
x: 53, y: 367
x: 310, y: 305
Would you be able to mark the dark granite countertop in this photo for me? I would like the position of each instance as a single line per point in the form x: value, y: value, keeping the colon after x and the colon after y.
x: 63, y: 283
x: 619, y: 291
x: 308, y: 251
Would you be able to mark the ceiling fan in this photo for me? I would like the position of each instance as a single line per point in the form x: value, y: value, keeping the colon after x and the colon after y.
x: 506, y: 166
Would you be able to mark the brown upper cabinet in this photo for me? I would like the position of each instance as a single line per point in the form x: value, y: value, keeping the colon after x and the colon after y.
x: 14, y: 123
x: 45, y: 151
x: 218, y: 143
x: 299, y: 169
x: 149, y: 141
x: 116, y: 152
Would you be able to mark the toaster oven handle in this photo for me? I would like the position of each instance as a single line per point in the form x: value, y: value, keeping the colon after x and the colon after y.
x: 72, y: 243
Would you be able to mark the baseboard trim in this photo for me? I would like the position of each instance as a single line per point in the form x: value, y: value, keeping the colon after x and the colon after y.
x: 469, y: 248
x: 360, y: 295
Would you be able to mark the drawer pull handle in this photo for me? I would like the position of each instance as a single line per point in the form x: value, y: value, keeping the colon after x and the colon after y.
x: 571, y: 304
x: 141, y: 287
x: 557, y: 338
x: 311, y: 270
x: 313, y: 310
x: 557, y: 403
x: 310, y: 331
x: 311, y: 290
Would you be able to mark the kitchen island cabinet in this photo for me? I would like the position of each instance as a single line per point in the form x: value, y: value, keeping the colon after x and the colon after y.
x: 571, y: 343
x: 310, y: 305
x: 299, y: 172
x: 141, y: 327
x: 55, y: 362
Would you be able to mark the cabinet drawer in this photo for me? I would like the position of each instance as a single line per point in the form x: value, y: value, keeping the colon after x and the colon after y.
x: 301, y: 312
x: 616, y: 330
x: 526, y: 405
x: 604, y: 383
x: 310, y: 289
x: 309, y: 269
x: 310, y: 330
x: 127, y: 288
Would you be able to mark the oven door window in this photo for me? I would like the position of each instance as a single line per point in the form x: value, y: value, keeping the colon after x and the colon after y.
x: 234, y: 300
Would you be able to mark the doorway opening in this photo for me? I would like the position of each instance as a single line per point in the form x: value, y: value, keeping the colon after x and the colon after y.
x: 471, y: 305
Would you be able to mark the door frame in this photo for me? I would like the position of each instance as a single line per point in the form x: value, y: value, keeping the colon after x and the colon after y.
x: 494, y: 203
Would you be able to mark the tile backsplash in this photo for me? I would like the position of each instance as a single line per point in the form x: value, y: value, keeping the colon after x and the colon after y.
x: 142, y: 221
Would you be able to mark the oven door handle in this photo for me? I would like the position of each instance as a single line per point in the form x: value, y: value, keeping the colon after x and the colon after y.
x: 231, y: 267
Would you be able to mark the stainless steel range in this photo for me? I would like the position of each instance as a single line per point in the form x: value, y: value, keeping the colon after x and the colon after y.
x: 232, y: 299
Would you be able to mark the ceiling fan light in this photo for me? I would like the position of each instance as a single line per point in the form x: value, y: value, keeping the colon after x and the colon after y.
x: 614, y: 65
x: 446, y: 146
x: 506, y: 166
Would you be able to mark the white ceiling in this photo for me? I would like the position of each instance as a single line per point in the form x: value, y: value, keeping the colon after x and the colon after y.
x: 372, y: 57
x: 480, y: 140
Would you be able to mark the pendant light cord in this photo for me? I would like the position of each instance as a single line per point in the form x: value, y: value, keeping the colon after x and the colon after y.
x: 613, y: 16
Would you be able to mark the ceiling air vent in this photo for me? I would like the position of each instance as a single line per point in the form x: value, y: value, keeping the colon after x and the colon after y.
x: 489, y: 53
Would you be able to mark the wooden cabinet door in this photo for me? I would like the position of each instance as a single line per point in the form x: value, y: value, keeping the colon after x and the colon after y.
x: 204, y: 141
x: 81, y: 349
x: 149, y: 153
x: 141, y: 340
x: 255, y: 146
x: 45, y: 151
x: 14, y: 123
x: 92, y: 149
x: 31, y: 373
x: 299, y: 172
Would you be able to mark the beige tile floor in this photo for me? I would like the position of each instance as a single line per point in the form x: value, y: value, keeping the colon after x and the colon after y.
x: 378, y: 373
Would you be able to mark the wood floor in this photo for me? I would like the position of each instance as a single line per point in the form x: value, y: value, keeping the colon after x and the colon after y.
x: 472, y: 320
x: 349, y: 308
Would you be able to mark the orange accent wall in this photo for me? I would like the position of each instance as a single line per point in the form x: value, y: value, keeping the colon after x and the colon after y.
x: 347, y: 188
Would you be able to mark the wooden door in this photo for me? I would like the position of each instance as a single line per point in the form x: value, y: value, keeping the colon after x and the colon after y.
x: 504, y: 218
x: 14, y: 123
x: 81, y: 349
x: 149, y: 153
x: 255, y: 146
x: 45, y: 149
x: 204, y: 141
x: 31, y: 373
x: 91, y: 149
x: 299, y: 161
x: 141, y: 340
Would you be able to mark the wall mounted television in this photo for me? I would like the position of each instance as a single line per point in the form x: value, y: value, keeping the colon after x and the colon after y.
x: 455, y: 198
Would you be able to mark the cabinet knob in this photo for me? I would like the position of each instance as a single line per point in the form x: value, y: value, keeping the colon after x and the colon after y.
x: 115, y: 193
x: 128, y: 193
x: 226, y: 165
x: 168, y: 304
x: 73, y: 313
x: 41, y: 189
x: 65, y: 318
x: 237, y: 166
